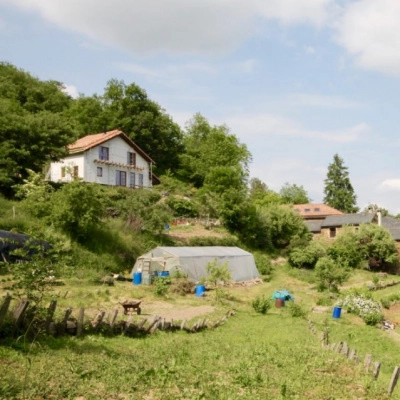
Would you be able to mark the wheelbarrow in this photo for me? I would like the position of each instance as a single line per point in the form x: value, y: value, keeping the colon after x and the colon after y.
x: 131, y: 305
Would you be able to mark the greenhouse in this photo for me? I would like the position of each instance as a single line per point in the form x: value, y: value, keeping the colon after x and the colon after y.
x: 192, y: 261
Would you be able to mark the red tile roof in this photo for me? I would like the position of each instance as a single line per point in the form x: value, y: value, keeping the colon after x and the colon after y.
x: 87, y: 142
x: 315, y: 211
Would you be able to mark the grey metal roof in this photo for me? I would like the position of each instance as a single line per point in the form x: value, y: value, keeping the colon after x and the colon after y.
x: 393, y: 226
x: 314, y: 226
x: 348, y: 219
x: 199, y: 251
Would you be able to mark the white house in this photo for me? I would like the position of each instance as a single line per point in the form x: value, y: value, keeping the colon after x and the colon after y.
x: 109, y: 158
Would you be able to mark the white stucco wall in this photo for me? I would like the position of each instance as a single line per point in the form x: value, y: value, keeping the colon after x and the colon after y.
x: 88, y: 162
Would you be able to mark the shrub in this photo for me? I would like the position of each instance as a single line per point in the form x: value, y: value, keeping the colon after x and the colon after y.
x: 366, y: 308
x: 218, y: 273
x: 261, y: 304
x: 306, y: 257
x: 296, y: 310
x: 329, y: 274
x: 182, y: 286
x: 161, y: 286
x: 263, y: 263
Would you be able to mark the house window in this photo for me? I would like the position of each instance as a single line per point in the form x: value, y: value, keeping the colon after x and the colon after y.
x: 131, y: 158
x: 332, y: 232
x: 103, y: 153
x: 317, y: 209
x: 62, y: 172
x: 76, y: 172
x: 120, y: 178
x: 132, y: 179
x: 306, y: 209
x: 140, y: 180
x: 99, y: 171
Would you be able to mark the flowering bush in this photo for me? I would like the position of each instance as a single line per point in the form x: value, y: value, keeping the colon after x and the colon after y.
x: 369, y: 310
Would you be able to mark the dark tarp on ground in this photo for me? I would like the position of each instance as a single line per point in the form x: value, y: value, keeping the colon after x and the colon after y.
x: 10, y: 241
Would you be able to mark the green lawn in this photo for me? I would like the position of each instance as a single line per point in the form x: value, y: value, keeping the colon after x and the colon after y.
x: 252, y: 356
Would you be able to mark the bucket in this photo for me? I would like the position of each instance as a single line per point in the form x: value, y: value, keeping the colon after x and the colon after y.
x: 279, y: 303
x: 336, y: 312
x: 147, y: 279
x: 137, y: 278
x: 200, y: 289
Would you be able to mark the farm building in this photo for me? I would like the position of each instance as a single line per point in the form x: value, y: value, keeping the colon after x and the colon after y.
x: 193, y: 261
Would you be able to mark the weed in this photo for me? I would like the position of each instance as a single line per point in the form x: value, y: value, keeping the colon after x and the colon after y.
x: 161, y: 286
x: 261, y: 304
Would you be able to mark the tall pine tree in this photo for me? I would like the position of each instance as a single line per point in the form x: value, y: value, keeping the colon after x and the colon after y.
x: 339, y: 192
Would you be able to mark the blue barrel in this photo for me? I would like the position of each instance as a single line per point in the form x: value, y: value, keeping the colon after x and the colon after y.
x: 336, y: 312
x: 163, y: 273
x: 200, y: 289
x: 137, y: 278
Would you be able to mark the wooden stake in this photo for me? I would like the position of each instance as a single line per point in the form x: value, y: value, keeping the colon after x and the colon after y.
x: 393, y: 380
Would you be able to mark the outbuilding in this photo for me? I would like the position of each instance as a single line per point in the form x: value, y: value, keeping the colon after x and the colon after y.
x: 192, y: 261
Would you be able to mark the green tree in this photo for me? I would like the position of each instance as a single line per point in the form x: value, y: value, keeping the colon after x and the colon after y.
x: 330, y: 274
x: 208, y: 147
x: 339, y: 192
x: 283, y: 225
x: 77, y: 208
x: 294, y: 194
x: 127, y: 107
x: 378, y: 246
x: 34, y: 128
x: 261, y: 195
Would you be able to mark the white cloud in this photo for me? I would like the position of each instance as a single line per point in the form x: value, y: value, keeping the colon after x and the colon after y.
x: 180, y: 26
x: 391, y: 184
x: 71, y: 90
x: 266, y: 125
x: 321, y: 101
x: 369, y: 31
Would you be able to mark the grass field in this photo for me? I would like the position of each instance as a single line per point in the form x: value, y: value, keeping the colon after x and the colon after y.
x: 252, y: 356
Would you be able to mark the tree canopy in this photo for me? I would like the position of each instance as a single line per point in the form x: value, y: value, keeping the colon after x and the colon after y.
x: 294, y: 194
x: 34, y: 127
x: 339, y: 192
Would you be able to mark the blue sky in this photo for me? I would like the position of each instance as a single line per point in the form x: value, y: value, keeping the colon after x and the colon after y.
x: 296, y: 80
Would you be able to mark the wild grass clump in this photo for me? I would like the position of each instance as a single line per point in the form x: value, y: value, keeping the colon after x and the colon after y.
x: 182, y: 286
x: 296, y: 310
x: 261, y: 304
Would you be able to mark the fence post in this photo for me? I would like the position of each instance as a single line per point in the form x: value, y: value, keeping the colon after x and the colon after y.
x: 79, y: 325
x: 68, y: 312
x: 367, y: 362
x: 50, y: 313
x: 4, y: 308
x: 19, y: 313
x: 377, y: 368
x: 393, y: 380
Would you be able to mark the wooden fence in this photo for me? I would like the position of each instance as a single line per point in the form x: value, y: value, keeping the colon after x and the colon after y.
x: 352, y: 354
x: 106, y: 322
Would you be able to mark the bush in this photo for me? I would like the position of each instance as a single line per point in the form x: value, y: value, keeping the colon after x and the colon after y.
x: 261, y: 304
x: 366, y: 308
x: 161, y: 286
x: 263, y: 263
x: 324, y: 301
x: 182, y: 286
x: 296, y: 310
x: 218, y: 273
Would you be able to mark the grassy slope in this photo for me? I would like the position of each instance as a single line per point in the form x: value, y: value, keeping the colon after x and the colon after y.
x: 251, y: 357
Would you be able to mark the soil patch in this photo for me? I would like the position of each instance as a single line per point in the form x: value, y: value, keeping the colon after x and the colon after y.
x: 169, y: 311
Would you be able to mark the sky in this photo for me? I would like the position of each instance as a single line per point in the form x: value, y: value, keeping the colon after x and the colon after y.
x: 297, y: 81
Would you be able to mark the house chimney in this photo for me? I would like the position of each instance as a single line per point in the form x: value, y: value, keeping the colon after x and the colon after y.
x: 379, y: 214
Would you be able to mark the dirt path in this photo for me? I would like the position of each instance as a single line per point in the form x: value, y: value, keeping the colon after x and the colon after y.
x: 169, y: 311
